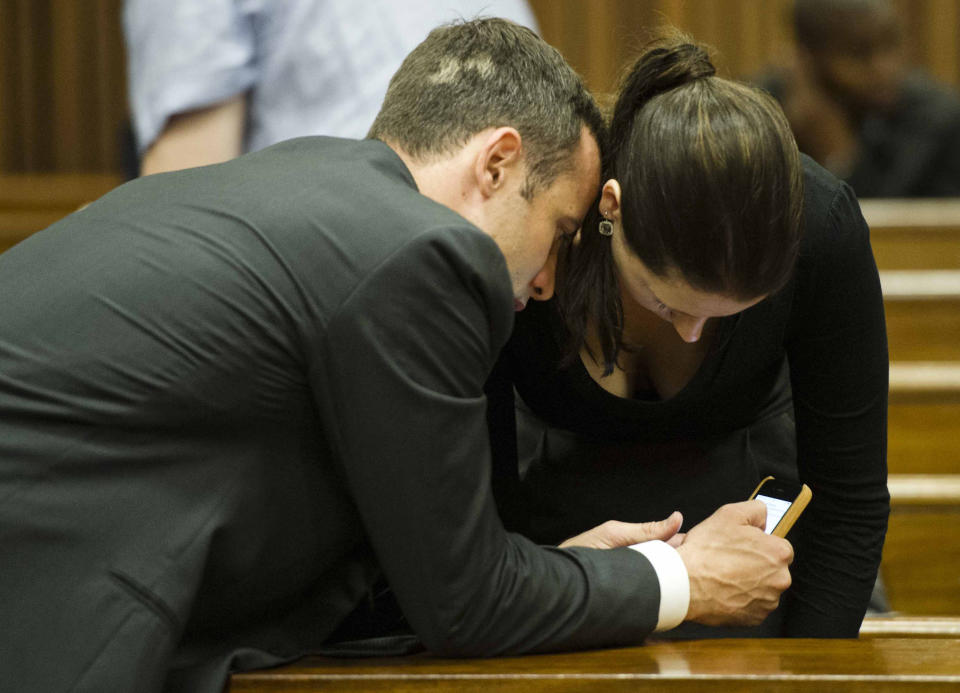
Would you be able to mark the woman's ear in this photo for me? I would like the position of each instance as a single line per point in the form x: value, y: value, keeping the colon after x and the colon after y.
x: 610, y: 200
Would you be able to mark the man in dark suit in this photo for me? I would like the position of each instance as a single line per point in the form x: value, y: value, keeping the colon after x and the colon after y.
x: 234, y: 399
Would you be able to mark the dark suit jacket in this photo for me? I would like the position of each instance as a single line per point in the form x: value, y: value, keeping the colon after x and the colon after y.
x: 230, y: 397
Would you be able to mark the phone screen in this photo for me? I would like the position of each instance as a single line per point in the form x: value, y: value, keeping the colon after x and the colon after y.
x: 776, y: 507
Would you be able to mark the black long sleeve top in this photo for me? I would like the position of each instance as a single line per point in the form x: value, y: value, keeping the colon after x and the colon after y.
x: 828, y: 325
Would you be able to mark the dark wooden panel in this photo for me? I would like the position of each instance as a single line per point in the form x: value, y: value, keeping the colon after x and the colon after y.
x: 599, y: 37
x: 61, y: 86
x: 29, y: 203
x: 53, y: 191
x: 748, y: 35
x: 932, y: 30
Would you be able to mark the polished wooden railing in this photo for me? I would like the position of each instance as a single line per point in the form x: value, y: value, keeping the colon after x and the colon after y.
x: 872, y: 665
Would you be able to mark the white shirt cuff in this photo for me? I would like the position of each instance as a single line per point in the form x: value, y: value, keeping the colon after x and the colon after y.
x: 674, y: 582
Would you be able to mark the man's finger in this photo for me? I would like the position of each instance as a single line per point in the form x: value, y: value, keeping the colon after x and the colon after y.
x: 754, y: 512
x: 676, y: 539
x: 663, y: 530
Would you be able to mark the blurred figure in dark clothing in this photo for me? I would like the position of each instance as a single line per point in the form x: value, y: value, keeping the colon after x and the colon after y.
x: 856, y: 106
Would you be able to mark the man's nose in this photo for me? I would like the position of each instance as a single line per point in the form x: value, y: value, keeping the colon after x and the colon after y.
x: 543, y: 283
x: 688, y: 327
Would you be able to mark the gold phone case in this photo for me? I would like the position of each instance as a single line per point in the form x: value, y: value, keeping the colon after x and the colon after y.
x: 789, y: 517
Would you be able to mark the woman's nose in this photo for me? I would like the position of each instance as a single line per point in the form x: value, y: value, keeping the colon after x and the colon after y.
x: 688, y: 327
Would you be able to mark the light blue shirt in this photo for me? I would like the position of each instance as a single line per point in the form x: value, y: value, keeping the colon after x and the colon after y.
x: 310, y: 67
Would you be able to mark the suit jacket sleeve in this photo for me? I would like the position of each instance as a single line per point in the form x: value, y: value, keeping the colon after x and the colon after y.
x: 400, y: 388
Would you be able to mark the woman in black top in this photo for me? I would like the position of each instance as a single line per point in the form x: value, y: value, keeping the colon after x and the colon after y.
x: 729, y: 327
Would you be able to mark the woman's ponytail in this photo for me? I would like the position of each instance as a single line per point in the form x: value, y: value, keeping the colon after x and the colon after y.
x: 664, y: 65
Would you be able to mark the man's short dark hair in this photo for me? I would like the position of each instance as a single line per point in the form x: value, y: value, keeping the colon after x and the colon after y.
x: 472, y: 75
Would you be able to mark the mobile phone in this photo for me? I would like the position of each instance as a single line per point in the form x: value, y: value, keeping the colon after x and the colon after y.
x: 785, y: 500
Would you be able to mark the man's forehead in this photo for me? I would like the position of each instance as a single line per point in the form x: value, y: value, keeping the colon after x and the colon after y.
x: 590, y: 153
x: 583, y: 172
x: 577, y: 184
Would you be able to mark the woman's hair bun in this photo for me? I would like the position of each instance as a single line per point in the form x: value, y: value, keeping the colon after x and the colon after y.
x: 663, y: 65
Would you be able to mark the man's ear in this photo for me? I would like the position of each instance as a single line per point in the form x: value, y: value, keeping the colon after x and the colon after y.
x: 500, y: 157
x: 610, y: 200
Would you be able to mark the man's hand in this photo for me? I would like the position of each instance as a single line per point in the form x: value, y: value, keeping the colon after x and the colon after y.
x: 613, y: 534
x: 737, y: 572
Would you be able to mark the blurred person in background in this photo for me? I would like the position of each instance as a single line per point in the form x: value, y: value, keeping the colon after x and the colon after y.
x: 857, y: 107
x: 212, y: 79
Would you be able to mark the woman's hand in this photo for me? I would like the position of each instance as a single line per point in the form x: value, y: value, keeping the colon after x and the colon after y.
x: 613, y: 534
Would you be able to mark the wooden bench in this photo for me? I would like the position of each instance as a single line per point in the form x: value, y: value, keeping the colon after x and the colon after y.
x: 921, y: 556
x: 871, y: 665
x: 30, y: 202
x: 924, y: 418
x: 923, y: 314
x: 914, y: 234
x: 910, y: 627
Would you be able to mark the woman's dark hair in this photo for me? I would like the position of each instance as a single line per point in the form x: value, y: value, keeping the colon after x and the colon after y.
x: 712, y: 192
